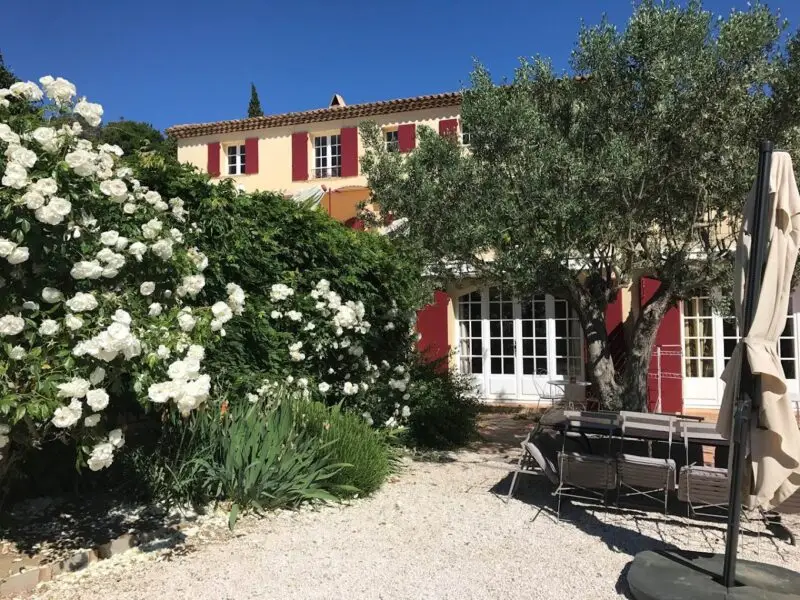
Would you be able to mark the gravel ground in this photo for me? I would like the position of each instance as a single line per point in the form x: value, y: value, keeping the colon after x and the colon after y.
x: 437, y: 530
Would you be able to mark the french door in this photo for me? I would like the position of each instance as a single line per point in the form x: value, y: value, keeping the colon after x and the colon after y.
x: 708, y: 342
x: 513, y: 347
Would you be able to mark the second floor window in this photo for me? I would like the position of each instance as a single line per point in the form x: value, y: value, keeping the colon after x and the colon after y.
x: 465, y: 140
x: 236, y: 156
x: 327, y: 156
x: 392, y: 141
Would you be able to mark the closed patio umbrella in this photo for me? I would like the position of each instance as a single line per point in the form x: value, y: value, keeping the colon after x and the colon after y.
x: 774, y: 438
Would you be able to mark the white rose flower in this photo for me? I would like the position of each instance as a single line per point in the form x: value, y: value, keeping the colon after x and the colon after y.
x: 49, y: 327
x: 15, y: 176
x: 32, y: 199
x: 102, y: 454
x: 114, y: 189
x: 280, y: 291
x: 152, y: 197
x: 294, y: 315
x: 58, y: 90
x: 368, y: 418
x: 60, y: 206
x: 122, y: 243
x: 115, y: 438
x: 154, y: 309
x: 91, y: 421
x: 191, y: 285
x: 8, y: 135
x: 11, y: 325
x: 162, y: 249
x: 109, y: 238
x: 46, y: 186
x: 72, y: 322
x: 406, y: 412
x: 27, y: 90
x: 97, y: 375
x: 30, y: 305
x: 21, y: 155
x: 6, y: 247
x: 147, y: 288
x: 47, y: 138
x: 129, y: 208
x: 74, y: 388
x: 137, y: 249
x: 67, y: 416
x: 116, y: 151
x: 151, y: 229
x: 324, y: 387
x: 186, y: 321
x: 222, y: 312
x: 82, y: 302
x: 82, y: 162
x: 200, y: 261
x: 163, y: 352
x: 52, y: 295
x: 47, y: 214
x: 17, y: 353
x: 276, y: 314
x: 86, y: 269
x: 97, y: 399
x: 90, y: 111
x: 120, y: 316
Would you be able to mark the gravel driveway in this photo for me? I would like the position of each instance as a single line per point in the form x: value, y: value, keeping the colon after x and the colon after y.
x: 436, y: 531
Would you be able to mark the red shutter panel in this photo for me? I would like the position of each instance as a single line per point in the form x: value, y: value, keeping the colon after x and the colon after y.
x: 300, y: 156
x: 407, y: 137
x: 434, y: 343
x: 213, y: 159
x: 668, y: 338
x: 448, y: 127
x: 349, y: 140
x: 251, y: 156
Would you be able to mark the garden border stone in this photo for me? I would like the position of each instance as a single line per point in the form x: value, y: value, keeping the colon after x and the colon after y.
x: 28, y: 579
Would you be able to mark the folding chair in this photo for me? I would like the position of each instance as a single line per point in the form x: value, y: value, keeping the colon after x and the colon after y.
x: 587, y: 476
x: 701, y: 487
x: 532, y: 462
x: 646, y: 476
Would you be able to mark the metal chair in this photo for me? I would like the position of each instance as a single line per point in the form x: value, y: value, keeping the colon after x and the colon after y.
x: 532, y: 462
x: 587, y: 476
x: 646, y: 476
x: 701, y: 487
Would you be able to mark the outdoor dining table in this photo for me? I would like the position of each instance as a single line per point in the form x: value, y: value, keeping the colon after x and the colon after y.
x: 559, y: 421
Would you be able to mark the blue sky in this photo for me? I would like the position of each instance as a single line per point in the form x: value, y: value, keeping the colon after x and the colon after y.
x: 171, y: 62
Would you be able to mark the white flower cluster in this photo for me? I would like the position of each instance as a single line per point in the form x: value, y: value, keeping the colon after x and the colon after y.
x: 76, y: 198
x: 186, y: 386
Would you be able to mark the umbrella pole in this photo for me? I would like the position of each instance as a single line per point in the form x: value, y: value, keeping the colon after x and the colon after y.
x: 748, y: 387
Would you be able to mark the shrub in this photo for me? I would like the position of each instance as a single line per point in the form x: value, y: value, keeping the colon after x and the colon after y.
x: 353, y: 443
x: 99, y: 286
x: 444, y: 408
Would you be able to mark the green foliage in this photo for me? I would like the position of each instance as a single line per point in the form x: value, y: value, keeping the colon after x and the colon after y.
x: 444, y: 408
x: 131, y: 136
x: 254, y: 108
x: 7, y: 77
x: 257, y: 456
x: 635, y: 162
x: 352, y: 442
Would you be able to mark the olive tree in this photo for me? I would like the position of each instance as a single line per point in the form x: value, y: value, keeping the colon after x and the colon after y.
x: 633, y: 163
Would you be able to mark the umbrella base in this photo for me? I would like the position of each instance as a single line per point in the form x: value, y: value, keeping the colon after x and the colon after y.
x: 696, y: 576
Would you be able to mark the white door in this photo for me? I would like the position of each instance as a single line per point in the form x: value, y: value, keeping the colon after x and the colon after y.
x: 503, y: 320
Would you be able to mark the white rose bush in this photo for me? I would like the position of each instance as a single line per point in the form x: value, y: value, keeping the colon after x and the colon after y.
x: 99, y: 291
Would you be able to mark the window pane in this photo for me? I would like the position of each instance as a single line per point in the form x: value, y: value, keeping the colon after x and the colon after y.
x: 541, y: 366
x: 527, y: 366
x: 789, y: 369
x: 477, y: 365
x: 527, y: 329
x: 708, y: 368
x: 541, y: 347
x: 497, y: 365
x: 508, y: 310
x: 508, y: 366
x: 508, y: 347
x: 561, y: 309
x: 561, y: 347
x: 476, y: 329
x: 494, y: 329
x: 496, y: 346
x: 477, y: 347
x: 561, y: 366
x: 494, y: 310
x: 786, y: 348
x: 508, y: 329
x: 527, y: 347
x: 539, y: 309
x: 540, y: 327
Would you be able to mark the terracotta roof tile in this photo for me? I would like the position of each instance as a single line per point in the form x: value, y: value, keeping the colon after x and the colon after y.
x: 352, y: 111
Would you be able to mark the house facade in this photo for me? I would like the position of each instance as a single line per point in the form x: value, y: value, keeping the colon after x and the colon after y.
x: 515, y: 349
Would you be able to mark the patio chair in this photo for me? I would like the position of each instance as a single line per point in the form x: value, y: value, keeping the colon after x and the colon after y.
x: 646, y: 476
x: 587, y: 476
x: 532, y: 462
x: 702, y: 488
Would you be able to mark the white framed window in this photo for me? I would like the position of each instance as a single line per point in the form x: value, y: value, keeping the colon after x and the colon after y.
x: 327, y: 156
x: 391, y: 140
x: 236, y: 159
x: 698, y: 337
x: 465, y: 137
x: 569, y: 341
x: 470, y: 333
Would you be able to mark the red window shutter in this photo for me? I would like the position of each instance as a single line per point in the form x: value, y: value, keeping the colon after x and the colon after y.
x: 407, y: 137
x: 448, y: 127
x: 300, y: 156
x: 251, y: 156
x: 349, y: 139
x: 213, y: 159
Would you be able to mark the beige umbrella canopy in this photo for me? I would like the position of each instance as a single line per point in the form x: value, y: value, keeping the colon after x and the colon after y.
x: 774, y: 447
